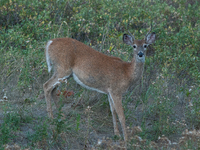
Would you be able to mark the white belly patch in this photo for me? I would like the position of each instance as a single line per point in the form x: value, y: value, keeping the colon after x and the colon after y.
x: 83, y: 85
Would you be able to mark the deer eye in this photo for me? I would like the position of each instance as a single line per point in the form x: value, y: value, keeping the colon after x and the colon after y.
x: 134, y: 46
x: 145, y: 46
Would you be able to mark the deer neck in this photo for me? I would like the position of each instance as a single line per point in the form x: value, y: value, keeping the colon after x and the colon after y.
x: 137, y: 68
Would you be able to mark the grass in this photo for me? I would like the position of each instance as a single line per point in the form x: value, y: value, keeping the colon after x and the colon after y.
x: 165, y: 104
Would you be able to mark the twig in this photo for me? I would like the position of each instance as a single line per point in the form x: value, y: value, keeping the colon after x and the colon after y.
x: 78, y: 102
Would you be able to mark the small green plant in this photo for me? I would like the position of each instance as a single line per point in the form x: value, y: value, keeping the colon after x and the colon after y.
x: 78, y: 117
x: 160, y: 112
x: 60, y: 123
x: 59, y: 126
x: 5, y: 133
x: 41, y: 132
x: 193, y: 107
x: 12, y: 121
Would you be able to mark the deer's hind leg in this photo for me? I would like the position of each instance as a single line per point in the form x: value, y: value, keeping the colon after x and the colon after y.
x: 50, y: 85
x: 50, y: 89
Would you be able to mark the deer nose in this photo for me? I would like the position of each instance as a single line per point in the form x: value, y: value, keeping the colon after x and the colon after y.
x: 140, y: 54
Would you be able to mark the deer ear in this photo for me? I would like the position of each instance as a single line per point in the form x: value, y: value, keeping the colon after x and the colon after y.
x: 127, y: 39
x: 151, y: 38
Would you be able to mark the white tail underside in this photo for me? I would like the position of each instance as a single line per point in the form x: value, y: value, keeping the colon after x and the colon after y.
x: 47, y: 57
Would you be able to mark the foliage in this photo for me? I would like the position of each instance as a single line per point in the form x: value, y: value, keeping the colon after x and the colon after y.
x: 29, y: 24
x: 11, y: 123
x: 40, y: 134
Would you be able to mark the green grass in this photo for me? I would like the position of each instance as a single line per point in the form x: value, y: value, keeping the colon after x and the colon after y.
x: 166, y: 102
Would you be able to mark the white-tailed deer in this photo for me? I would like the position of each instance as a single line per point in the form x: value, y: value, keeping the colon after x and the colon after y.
x: 95, y: 71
